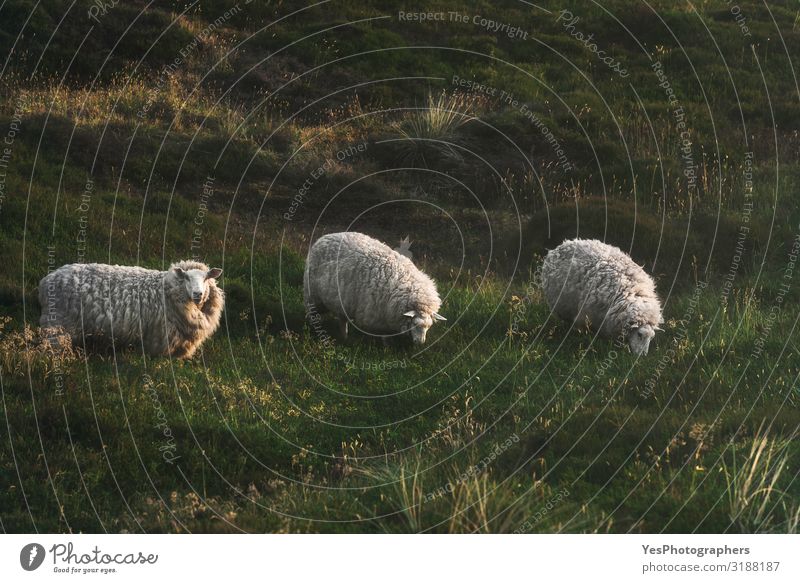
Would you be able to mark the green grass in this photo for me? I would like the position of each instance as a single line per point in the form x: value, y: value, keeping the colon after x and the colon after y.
x: 360, y: 430
x: 509, y: 420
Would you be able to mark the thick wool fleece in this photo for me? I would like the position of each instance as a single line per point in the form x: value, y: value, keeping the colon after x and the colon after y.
x: 130, y: 306
x: 586, y: 279
x: 360, y: 279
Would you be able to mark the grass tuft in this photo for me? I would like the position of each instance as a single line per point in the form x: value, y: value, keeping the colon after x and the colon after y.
x: 756, y: 503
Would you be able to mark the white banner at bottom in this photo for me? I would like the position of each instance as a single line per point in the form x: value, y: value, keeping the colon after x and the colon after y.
x: 389, y: 558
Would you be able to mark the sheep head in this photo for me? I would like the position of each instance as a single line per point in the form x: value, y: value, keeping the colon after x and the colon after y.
x: 417, y: 323
x: 196, y: 283
x: 639, y: 338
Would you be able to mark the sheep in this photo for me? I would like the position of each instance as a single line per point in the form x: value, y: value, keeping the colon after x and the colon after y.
x: 363, y: 281
x: 587, y: 280
x: 170, y: 313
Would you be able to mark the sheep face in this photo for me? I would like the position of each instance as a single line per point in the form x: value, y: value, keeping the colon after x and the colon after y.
x: 639, y: 339
x: 196, y: 283
x: 417, y: 325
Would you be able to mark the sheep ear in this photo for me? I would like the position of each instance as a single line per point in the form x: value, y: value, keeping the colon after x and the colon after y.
x: 658, y: 328
x: 213, y: 273
x: 439, y: 317
x: 180, y: 272
x: 410, y: 314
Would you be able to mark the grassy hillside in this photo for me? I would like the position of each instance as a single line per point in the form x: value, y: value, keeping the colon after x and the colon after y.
x: 239, y: 133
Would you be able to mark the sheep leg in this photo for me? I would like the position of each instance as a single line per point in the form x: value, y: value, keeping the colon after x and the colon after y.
x: 343, y: 327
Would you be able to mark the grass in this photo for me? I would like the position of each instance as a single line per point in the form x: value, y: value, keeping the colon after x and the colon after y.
x: 351, y: 439
x: 756, y: 503
x: 508, y: 420
x: 433, y: 128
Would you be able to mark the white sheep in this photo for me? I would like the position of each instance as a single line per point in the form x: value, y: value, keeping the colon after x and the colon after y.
x: 585, y: 280
x: 363, y: 281
x: 165, y: 312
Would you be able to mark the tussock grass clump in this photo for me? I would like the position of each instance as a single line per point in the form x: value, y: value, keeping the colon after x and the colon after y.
x: 45, y: 350
x: 428, y: 135
x: 445, y: 498
x: 756, y: 503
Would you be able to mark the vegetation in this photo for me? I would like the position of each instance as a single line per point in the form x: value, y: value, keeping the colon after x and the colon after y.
x: 239, y: 134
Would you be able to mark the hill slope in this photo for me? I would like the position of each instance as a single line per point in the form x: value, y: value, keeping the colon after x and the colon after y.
x: 488, y: 132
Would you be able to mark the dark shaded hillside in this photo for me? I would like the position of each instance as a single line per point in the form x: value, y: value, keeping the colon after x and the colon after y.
x: 237, y: 133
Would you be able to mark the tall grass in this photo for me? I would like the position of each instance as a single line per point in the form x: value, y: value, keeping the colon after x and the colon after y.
x: 430, y: 133
x: 755, y: 502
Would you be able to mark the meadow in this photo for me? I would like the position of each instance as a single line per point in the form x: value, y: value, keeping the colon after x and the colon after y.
x: 238, y: 134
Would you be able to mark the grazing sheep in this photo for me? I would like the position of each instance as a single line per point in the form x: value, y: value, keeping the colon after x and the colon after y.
x: 365, y: 282
x: 166, y: 312
x: 587, y: 280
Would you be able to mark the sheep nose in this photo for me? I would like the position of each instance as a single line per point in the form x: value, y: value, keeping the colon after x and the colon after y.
x: 196, y: 297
